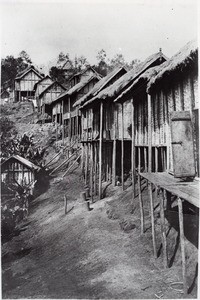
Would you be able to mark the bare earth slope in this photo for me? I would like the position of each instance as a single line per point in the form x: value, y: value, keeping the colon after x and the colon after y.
x: 83, y: 254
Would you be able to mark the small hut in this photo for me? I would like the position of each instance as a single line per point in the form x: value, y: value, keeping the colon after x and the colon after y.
x: 39, y: 87
x: 18, y: 169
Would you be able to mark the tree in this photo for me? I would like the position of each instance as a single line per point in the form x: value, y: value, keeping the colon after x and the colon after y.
x: 57, y: 74
x: 11, y: 66
x: 117, y: 61
x: 102, y: 66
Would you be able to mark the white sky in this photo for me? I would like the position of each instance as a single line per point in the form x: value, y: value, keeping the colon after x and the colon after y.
x: 136, y: 28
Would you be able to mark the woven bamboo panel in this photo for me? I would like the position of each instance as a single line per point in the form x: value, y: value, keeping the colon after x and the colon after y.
x: 146, y: 121
x: 177, y: 98
x: 161, y: 117
x: 187, y: 93
x: 195, y: 85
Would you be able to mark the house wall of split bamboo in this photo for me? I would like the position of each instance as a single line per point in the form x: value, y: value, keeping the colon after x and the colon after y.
x: 25, y: 82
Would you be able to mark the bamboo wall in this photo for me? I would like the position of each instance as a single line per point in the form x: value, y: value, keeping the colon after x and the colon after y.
x: 27, y: 82
x: 17, y: 171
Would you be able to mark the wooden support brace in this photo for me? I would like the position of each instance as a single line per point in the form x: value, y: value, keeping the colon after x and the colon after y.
x: 163, y: 232
x: 152, y: 219
x: 181, y: 228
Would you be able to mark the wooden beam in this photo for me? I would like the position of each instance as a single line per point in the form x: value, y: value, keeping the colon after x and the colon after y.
x: 122, y: 147
x: 152, y: 219
x: 100, y: 149
x: 62, y: 116
x: 163, y: 232
x: 70, y: 121
x: 140, y: 193
x: 181, y: 228
x: 149, y: 134
x: 133, y: 151
x: 95, y: 168
x: 114, y: 147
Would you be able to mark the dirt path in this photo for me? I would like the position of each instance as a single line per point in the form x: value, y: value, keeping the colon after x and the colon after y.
x: 82, y: 254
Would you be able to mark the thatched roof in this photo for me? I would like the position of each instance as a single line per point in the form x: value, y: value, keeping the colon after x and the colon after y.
x: 99, y: 76
x: 77, y: 87
x: 22, y: 160
x: 123, y: 82
x: 99, y: 86
x: 50, y: 86
x: 182, y: 59
x: 28, y: 69
x: 152, y: 76
x: 142, y: 79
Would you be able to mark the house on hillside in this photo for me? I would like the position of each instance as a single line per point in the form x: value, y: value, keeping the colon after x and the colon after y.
x: 46, y: 98
x: 172, y: 89
x: 63, y: 109
x: 87, y: 72
x: 165, y: 148
x: 111, y: 125
x: 25, y: 82
x: 18, y: 169
x: 40, y: 86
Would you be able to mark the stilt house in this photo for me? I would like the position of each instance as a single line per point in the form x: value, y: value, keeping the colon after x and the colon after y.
x: 25, y: 82
x: 165, y: 142
x: 39, y: 87
x: 111, y: 125
x: 47, y: 97
x: 63, y: 106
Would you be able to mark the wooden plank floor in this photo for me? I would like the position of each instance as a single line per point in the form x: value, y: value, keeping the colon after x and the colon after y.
x: 188, y: 191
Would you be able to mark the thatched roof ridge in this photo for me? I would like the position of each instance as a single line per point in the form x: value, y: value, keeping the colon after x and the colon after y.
x: 99, y: 76
x: 76, y: 88
x: 143, y: 78
x: 123, y: 82
x: 29, y: 68
x: 183, y: 58
x: 99, y: 86
x: 22, y: 160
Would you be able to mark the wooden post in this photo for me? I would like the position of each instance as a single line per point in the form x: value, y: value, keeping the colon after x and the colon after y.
x: 100, y: 149
x: 65, y: 204
x: 163, y: 232
x: 95, y: 168
x: 149, y: 134
x: 133, y: 151
x: 122, y: 148
x: 86, y: 162
x: 63, y: 130
x: 70, y: 121
x: 84, y: 199
x: 56, y: 123
x: 152, y: 219
x: 181, y: 228
x: 140, y: 194
x: 77, y: 113
x: 156, y: 159
x: 91, y: 171
x: 82, y: 158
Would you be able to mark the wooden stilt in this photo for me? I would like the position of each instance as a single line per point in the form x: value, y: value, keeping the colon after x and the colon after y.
x: 91, y: 171
x: 56, y: 122
x: 140, y: 194
x: 82, y: 158
x: 152, y: 219
x: 70, y: 122
x: 86, y: 162
x: 163, y: 231
x: 149, y: 134
x: 181, y: 228
x: 133, y: 151
x: 114, y: 148
x: 62, y: 117
x: 95, y: 168
x: 156, y: 159
x: 122, y: 147
x: 100, y: 149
